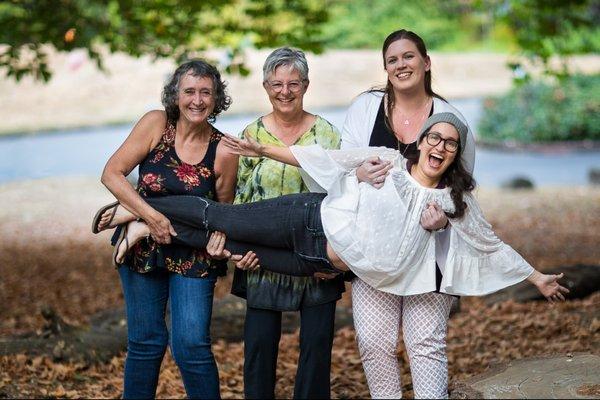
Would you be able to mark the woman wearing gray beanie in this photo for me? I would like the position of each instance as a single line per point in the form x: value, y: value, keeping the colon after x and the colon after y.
x: 393, y: 117
x: 374, y: 233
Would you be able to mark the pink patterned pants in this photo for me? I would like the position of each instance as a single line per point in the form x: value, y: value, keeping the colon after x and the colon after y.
x: 424, y: 320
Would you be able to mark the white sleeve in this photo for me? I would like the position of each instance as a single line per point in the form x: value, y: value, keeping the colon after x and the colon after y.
x: 478, y: 261
x: 326, y: 167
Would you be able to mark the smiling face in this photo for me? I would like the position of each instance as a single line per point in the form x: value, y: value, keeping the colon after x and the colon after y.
x: 195, y: 98
x: 406, y: 66
x: 286, y: 100
x: 435, y: 160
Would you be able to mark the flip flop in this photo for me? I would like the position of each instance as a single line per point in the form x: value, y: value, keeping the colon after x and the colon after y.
x: 122, y: 236
x: 96, y: 220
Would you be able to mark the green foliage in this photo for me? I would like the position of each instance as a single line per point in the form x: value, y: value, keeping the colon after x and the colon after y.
x: 176, y: 29
x: 454, y: 25
x: 543, y: 112
x: 546, y: 28
x: 366, y: 23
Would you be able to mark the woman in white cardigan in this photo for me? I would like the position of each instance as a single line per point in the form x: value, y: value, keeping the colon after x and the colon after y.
x: 392, y: 117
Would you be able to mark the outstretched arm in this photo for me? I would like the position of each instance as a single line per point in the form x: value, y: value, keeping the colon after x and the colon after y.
x: 480, y: 263
x: 251, y: 148
x: 548, y: 285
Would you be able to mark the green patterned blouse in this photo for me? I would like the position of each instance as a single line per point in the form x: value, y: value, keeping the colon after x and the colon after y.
x: 263, y: 178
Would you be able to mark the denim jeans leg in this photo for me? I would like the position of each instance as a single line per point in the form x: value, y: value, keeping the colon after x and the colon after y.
x: 191, y: 309
x: 147, y: 336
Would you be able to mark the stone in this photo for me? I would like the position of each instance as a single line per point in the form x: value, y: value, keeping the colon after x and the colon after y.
x: 594, y: 176
x: 518, y: 182
x: 568, y: 376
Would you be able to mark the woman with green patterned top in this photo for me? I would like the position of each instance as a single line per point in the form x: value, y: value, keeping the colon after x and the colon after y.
x: 267, y: 294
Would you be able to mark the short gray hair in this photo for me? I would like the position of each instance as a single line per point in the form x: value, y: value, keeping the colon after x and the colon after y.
x: 286, y: 56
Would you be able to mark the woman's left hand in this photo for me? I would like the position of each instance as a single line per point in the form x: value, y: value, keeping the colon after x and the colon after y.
x: 248, y: 262
x: 244, y: 147
x: 216, y: 246
x: 433, y: 218
x: 548, y: 286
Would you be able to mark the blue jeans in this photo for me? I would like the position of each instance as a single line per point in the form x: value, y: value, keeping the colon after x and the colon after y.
x: 285, y: 232
x: 190, y: 301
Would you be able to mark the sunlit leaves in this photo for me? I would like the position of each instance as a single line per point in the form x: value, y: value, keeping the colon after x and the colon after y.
x: 174, y: 29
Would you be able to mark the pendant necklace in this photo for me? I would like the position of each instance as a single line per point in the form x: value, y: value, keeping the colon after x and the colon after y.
x: 408, y: 122
x: 420, y: 109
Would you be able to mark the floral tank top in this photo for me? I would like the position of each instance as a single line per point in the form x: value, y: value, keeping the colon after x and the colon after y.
x: 163, y: 173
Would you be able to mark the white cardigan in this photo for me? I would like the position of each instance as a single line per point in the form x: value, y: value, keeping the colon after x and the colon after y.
x: 358, y: 126
x: 360, y: 120
x: 377, y: 233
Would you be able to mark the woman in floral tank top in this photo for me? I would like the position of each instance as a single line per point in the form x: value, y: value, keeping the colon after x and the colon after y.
x: 179, y: 153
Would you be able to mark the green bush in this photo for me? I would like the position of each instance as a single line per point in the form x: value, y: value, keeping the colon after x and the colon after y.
x: 540, y: 112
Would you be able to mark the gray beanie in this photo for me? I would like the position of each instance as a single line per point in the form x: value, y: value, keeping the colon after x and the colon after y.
x: 449, y: 118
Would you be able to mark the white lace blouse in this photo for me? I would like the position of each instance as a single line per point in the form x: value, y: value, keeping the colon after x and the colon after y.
x: 377, y: 232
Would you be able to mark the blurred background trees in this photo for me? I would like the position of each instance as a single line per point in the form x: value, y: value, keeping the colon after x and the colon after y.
x: 538, y: 29
x: 537, y: 35
x: 161, y: 28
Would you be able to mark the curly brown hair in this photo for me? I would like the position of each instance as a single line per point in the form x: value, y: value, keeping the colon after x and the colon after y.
x: 198, y: 68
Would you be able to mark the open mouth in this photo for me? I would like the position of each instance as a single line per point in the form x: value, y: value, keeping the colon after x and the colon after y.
x: 403, y: 75
x: 286, y: 100
x: 435, y: 160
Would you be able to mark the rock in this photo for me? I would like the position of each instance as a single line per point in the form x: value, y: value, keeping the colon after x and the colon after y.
x: 581, y: 280
x: 519, y: 182
x: 594, y: 176
x: 548, y: 377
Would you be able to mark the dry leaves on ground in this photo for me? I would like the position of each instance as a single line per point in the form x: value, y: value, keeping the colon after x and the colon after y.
x: 56, y: 262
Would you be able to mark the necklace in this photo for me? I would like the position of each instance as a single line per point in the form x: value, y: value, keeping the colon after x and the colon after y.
x: 420, y: 109
x: 406, y: 123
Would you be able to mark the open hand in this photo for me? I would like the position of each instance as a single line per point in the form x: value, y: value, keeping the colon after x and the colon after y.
x: 244, y: 147
x: 549, y: 287
x: 374, y: 171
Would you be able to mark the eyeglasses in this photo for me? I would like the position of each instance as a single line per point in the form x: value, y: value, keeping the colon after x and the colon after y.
x: 433, y: 139
x: 293, y: 86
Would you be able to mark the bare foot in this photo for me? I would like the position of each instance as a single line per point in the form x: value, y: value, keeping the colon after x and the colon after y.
x: 122, y: 216
x: 136, y: 231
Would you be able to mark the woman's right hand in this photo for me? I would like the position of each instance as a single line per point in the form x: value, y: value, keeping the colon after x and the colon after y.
x: 373, y: 171
x: 161, y: 229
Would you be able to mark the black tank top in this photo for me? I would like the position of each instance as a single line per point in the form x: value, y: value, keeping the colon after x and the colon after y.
x: 381, y: 135
x: 163, y: 173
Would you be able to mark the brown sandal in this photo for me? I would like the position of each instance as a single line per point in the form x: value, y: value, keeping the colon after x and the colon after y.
x: 96, y: 220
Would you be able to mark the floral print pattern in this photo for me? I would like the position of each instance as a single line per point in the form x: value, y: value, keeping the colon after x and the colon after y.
x: 150, y: 182
x: 163, y: 173
x: 190, y: 175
